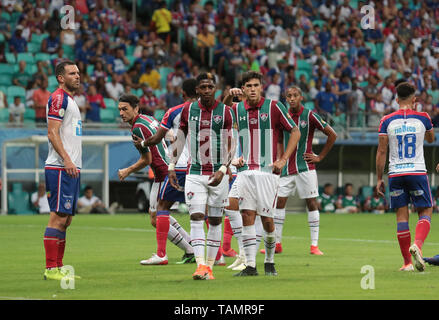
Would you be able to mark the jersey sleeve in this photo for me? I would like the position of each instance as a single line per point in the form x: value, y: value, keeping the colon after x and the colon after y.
x: 184, y: 118
x: 167, y: 120
x: 382, y: 130
x: 428, y: 123
x: 57, y: 106
x: 317, y: 121
x: 141, y: 133
x: 283, y: 117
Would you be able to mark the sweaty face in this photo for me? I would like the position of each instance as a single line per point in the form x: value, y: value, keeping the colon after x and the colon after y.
x: 127, y: 112
x: 206, y: 90
x: 294, y: 98
x: 252, y: 90
x: 71, y: 77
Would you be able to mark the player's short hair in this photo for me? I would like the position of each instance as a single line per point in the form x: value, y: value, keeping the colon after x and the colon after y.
x: 326, y: 185
x: 189, y: 86
x: 405, y: 90
x: 131, y: 99
x: 87, y: 188
x: 60, y: 68
x: 296, y: 88
x: 205, y: 76
x: 249, y: 75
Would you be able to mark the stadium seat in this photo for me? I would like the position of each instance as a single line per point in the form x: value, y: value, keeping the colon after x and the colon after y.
x: 69, y: 52
x: 159, y: 113
x: 90, y: 69
x: 26, y: 56
x: 309, y: 105
x: 14, y: 91
x: 4, y: 115
x: 33, y: 47
x: 5, y: 16
x: 38, y: 38
x: 320, y: 23
x: 29, y: 115
x: 52, y: 81
x: 31, y: 68
x: 6, y: 80
x: 107, y: 115
x: 6, y: 68
x: 2, y: 38
x: 42, y: 56
x: 304, y: 65
x: 298, y: 73
x: 10, y: 58
x: 372, y: 47
x: 18, y: 200
x: 332, y: 64
x: 110, y: 103
x: 164, y: 72
x: 366, y: 191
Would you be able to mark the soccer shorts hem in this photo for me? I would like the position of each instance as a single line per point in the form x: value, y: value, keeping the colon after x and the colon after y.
x: 197, y: 191
x: 62, y: 191
x: 169, y: 193
x: 305, y: 183
x: 410, y: 188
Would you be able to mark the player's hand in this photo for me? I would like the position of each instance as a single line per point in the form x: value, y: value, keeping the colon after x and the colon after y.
x: 278, y: 165
x: 172, y: 176
x: 71, y: 169
x: 235, y: 92
x: 381, y: 189
x: 137, y: 141
x: 311, y: 158
x: 238, y: 162
x: 437, y: 170
x: 215, y: 179
x: 123, y: 173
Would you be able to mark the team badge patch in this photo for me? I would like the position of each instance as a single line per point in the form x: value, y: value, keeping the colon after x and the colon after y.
x: 302, y: 123
x: 264, y: 116
x: 61, y: 112
x: 68, y: 205
x: 190, y: 195
x: 217, y: 119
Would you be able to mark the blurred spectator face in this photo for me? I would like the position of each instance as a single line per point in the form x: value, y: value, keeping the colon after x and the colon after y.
x: 92, y: 90
x: 348, y: 190
x: 17, y: 100
x: 329, y: 190
x: 22, y: 65
x: 328, y: 87
x: 88, y: 193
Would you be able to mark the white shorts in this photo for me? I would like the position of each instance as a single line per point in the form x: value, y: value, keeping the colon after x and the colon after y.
x: 305, y: 183
x: 154, y: 196
x: 258, y: 191
x: 233, y: 193
x: 197, y: 192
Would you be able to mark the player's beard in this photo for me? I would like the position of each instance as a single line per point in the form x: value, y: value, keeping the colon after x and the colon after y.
x: 71, y: 87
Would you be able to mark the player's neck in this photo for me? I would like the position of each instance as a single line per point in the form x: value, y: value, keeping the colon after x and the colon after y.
x: 71, y: 93
x: 405, y: 107
x: 254, y: 103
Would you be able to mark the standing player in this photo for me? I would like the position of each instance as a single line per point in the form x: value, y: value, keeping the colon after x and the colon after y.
x: 403, y: 132
x: 63, y: 165
x: 300, y: 171
x: 145, y: 126
x: 260, y: 124
x: 168, y: 194
x: 207, y: 126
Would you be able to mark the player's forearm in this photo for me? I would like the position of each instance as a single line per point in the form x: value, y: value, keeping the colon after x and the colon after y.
x: 332, y: 136
x: 178, y: 146
x: 228, y: 99
x: 156, y: 138
x: 380, y: 164
x: 139, y: 165
x: 292, y: 144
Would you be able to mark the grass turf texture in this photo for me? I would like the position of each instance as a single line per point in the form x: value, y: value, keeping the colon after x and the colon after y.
x: 105, y: 251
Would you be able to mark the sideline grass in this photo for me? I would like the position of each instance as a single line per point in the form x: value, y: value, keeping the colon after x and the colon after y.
x: 105, y: 251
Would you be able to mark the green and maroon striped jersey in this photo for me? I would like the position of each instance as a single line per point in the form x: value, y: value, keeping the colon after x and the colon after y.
x: 146, y: 126
x: 307, y: 122
x: 260, y: 129
x: 208, y: 131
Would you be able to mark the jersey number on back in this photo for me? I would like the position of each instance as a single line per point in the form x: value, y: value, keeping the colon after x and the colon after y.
x: 406, y: 146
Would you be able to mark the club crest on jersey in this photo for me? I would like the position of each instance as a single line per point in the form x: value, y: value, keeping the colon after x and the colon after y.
x: 61, y: 112
x: 217, y: 119
x: 190, y: 195
x: 264, y: 116
x: 303, y: 123
x: 68, y: 204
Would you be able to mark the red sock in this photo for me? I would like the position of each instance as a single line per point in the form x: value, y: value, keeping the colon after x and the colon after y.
x: 220, y: 253
x: 51, y: 247
x: 227, y: 235
x: 162, y: 229
x: 422, y: 230
x: 61, y: 248
x: 404, y: 239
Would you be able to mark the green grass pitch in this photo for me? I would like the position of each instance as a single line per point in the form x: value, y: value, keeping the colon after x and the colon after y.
x: 105, y: 251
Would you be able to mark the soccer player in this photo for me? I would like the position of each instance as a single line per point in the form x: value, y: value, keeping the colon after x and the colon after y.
x: 168, y: 194
x: 299, y: 174
x: 63, y: 165
x: 260, y: 125
x: 206, y: 125
x: 146, y: 126
x: 403, y: 133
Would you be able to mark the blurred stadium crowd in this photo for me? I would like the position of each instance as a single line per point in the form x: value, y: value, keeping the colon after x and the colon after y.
x: 346, y: 73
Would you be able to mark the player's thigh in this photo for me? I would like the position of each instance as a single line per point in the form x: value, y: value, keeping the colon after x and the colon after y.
x: 266, y: 186
x: 169, y: 193
x: 62, y: 191
x: 307, y: 184
x: 154, y: 196
x: 287, y: 186
x: 218, y: 196
x: 233, y: 191
x: 420, y: 192
x: 246, y: 191
x: 196, y: 193
x: 399, y: 193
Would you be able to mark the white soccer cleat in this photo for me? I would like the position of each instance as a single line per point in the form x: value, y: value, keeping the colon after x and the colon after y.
x: 240, y: 267
x: 155, y: 260
x: 239, y: 260
x: 220, y: 262
x: 407, y: 267
x: 417, y: 256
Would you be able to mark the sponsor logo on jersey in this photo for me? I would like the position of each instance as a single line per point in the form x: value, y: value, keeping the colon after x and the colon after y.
x: 241, y: 118
x: 396, y: 193
x: 417, y: 193
x: 205, y: 123
x: 57, y: 102
x: 217, y: 119
x: 253, y: 121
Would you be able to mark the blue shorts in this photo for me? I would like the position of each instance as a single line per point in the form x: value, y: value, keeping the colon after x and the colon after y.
x: 169, y: 193
x: 62, y: 191
x: 414, y: 188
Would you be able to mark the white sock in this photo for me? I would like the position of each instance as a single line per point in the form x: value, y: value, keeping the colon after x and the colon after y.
x: 213, y: 243
x: 279, y: 219
x: 176, y: 238
x: 313, y: 222
x: 259, y: 231
x: 270, y: 246
x: 198, y: 240
x: 179, y: 228
x: 235, y: 219
x: 249, y: 244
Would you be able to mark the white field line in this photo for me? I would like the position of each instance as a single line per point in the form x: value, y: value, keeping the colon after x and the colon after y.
x: 149, y: 230
x: 18, y: 298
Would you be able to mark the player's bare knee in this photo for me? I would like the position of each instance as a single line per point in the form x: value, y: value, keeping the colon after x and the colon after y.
x: 214, y: 221
x: 281, y: 203
x: 197, y: 216
x: 312, y: 204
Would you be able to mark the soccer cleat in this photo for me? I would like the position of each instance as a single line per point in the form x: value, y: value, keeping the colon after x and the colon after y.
x: 278, y: 249
x: 210, y: 274
x: 407, y: 267
x: 434, y: 260
x: 230, y: 253
x: 248, y: 271
x: 269, y: 268
x: 53, y: 274
x: 220, y: 262
x: 155, y: 260
x: 239, y: 260
x: 239, y: 267
x: 201, y: 273
x: 315, y: 250
x: 417, y: 256
x: 187, y: 258
x: 66, y: 273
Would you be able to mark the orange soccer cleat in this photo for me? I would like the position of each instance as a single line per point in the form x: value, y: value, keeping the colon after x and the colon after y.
x: 315, y: 250
x: 201, y: 273
x: 210, y: 273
